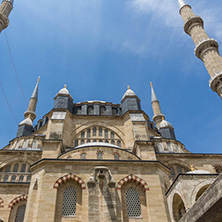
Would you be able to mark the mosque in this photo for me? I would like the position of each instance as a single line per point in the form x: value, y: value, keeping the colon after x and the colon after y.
x: 98, y: 161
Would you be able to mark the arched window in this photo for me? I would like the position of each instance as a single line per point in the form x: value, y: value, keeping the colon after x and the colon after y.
x: 119, y: 143
x: 13, y: 178
x: 82, y: 141
x: 20, y: 214
x: 21, y: 179
x: 133, y: 203
x: 106, y: 133
x: 100, y: 131
x: 8, y: 168
x: 76, y: 143
x: 112, y: 135
x: 106, y: 141
x: 178, y: 207
x: 88, y: 133
x: 113, y: 142
x: 102, y: 110
x: 28, y: 179
x: 114, y: 111
x: 94, y: 131
x: 88, y: 141
x: 15, y: 168
x: 83, y: 134
x: 23, y: 167
x: 69, y: 202
x: 6, y: 178
x: 90, y: 110
x: 99, y: 155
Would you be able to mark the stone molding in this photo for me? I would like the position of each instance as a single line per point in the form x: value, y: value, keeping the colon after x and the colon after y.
x: 134, y: 178
x: 68, y: 177
x: 191, y: 22
x: 204, y: 46
x: 17, y: 199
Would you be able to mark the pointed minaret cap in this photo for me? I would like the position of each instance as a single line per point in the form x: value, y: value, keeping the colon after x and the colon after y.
x: 36, y: 91
x: 64, y: 91
x: 129, y: 92
x: 153, y: 95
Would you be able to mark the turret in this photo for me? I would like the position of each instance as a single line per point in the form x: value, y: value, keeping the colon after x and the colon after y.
x: 25, y: 127
x: 63, y: 100
x: 5, y: 9
x: 166, y: 129
x: 206, y: 48
x: 130, y: 101
x: 157, y: 114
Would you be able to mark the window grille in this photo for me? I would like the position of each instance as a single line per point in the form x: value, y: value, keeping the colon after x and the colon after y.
x: 106, y: 133
x: 112, y: 135
x: 99, y: 155
x: 6, y: 178
x: 82, y: 141
x: 100, y: 131
x: 13, y: 178
x: 88, y: 133
x: 15, y: 169
x: 76, y: 143
x: 133, y: 203
x: 20, y: 214
x: 23, y: 168
x: 82, y: 134
x: 94, y: 131
x: 69, y: 202
x: 21, y: 179
x: 8, y: 168
x: 28, y: 179
x: 119, y: 143
x: 113, y: 142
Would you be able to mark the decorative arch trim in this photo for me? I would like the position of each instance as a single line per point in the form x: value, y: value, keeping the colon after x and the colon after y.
x: 134, y: 178
x: 17, y: 199
x: 68, y: 177
x: 1, y: 203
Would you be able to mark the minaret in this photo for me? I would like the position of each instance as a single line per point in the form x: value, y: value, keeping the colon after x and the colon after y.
x: 157, y: 114
x: 32, y: 103
x: 206, y: 48
x: 5, y: 9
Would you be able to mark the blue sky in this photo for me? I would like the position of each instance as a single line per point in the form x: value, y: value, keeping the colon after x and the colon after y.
x: 98, y: 47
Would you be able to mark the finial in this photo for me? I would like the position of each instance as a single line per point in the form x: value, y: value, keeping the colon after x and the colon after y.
x: 128, y: 87
x: 163, y: 118
x: 181, y: 3
x: 38, y: 78
x: 29, y: 116
x: 192, y: 167
x: 65, y: 86
x: 151, y: 84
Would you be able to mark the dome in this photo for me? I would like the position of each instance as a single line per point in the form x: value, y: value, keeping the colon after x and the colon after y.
x: 97, y: 144
x: 198, y: 172
x: 129, y: 92
x: 164, y: 124
x: 64, y: 91
x: 26, y: 121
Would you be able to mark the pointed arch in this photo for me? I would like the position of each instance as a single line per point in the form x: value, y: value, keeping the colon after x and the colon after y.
x: 17, y: 199
x: 134, y: 178
x: 68, y: 177
x: 1, y: 203
x: 178, y: 207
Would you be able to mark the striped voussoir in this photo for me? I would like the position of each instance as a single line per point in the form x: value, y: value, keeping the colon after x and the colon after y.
x: 1, y: 203
x: 131, y: 177
x: 17, y: 199
x: 68, y: 177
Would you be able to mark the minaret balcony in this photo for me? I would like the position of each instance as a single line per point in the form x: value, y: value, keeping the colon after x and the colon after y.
x: 191, y: 22
x: 205, y: 46
x: 215, y: 83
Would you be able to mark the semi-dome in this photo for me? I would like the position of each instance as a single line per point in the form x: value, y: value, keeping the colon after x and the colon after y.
x: 165, y: 124
x: 26, y: 121
x: 199, y: 172
x: 129, y: 92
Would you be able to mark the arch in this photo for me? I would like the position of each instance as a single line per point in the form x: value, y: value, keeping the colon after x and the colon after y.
x: 17, y: 199
x: 201, y: 191
x: 1, y: 203
x: 134, y: 178
x: 178, y: 162
x: 68, y: 177
x: 178, y: 207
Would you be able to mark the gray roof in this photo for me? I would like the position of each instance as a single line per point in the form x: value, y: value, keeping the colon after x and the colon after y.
x: 36, y: 91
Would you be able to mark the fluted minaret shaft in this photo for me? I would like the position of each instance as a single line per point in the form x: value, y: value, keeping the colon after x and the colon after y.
x: 33, y: 103
x: 157, y: 114
x: 5, y: 9
x: 206, y: 48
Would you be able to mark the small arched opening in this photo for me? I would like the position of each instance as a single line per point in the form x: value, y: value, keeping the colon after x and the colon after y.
x: 178, y: 207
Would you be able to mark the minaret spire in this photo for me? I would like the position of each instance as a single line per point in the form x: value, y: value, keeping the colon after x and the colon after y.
x: 32, y: 103
x: 157, y: 114
x: 206, y: 48
x: 5, y: 9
